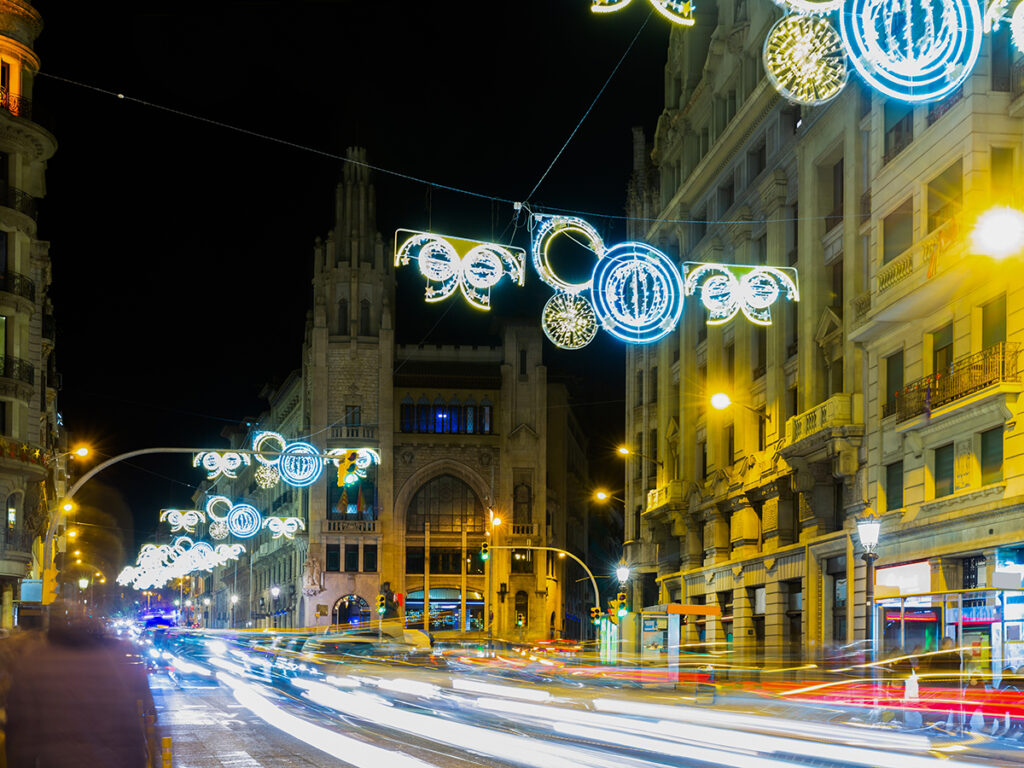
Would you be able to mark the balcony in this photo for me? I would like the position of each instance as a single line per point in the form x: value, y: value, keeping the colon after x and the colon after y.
x: 899, y: 137
x: 524, y: 529
x: 18, y: 285
x: 18, y: 370
x: 664, y: 498
x: 354, y: 432
x: 15, y: 104
x: 352, y: 526
x: 838, y: 411
x: 20, y: 201
x: 966, y: 376
x: 938, y: 109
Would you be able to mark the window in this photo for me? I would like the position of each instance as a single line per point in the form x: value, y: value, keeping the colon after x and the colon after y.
x: 448, y: 504
x: 835, y: 217
x: 993, y: 322
x: 369, y: 558
x: 638, y: 467
x: 893, y: 382
x: 899, y: 128
x: 440, y: 416
x: 474, y: 565
x: 484, y: 415
x: 1001, y: 159
x: 1001, y: 56
x: 837, y: 287
x: 992, y: 456
x: 702, y: 460
x: 468, y: 413
x: 898, y: 231
x: 945, y: 195
x: 639, y: 388
x: 761, y: 250
x: 522, y: 505
x: 762, y: 429
x: 343, y: 318
x: 454, y: 416
x: 446, y: 560
x: 333, y: 560
x: 352, y: 416
x: 522, y: 561
x: 726, y: 196
x: 944, y: 471
x: 653, y: 445
x: 523, y: 608
x: 653, y: 388
x: 699, y: 225
x: 757, y: 160
x: 423, y: 415
x: 12, y: 511
x: 522, y: 364
x: 893, y: 486
x: 942, y: 349
x: 407, y: 415
x: 351, y: 557
x: 414, y: 559
x: 760, y: 351
x: 364, y: 318
x: 730, y: 444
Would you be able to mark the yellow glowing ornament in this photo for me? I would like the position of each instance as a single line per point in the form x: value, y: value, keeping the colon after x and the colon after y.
x: 677, y: 12
x: 450, y: 263
x: 267, y: 476
x: 569, y: 321
x: 804, y: 59
x: 999, y: 233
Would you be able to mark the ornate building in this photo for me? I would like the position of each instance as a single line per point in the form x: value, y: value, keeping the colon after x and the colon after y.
x: 893, y: 385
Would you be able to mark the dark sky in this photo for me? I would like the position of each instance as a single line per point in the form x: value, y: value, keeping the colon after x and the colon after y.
x: 182, y: 250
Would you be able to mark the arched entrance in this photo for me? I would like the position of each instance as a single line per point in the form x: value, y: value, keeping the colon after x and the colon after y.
x: 350, y: 610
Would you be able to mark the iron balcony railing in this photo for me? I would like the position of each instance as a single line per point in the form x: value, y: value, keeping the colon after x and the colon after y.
x: 19, y: 285
x: 938, y: 109
x: 965, y: 376
x: 1017, y: 80
x: 22, y: 202
x: 16, y: 540
x: 20, y: 370
x: 16, y: 105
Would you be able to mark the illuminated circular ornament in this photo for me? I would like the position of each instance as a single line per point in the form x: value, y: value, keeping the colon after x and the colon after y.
x: 810, y: 6
x: 482, y: 267
x: 218, y: 530
x: 550, y: 227
x: 300, y: 464
x: 638, y: 293
x: 267, y: 476
x: 264, y: 441
x: 569, y: 321
x: 1017, y: 26
x: 803, y: 57
x: 284, y: 526
x: 917, y: 50
x: 244, y: 521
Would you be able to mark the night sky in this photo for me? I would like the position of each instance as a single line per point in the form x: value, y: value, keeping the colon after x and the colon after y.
x: 181, y: 249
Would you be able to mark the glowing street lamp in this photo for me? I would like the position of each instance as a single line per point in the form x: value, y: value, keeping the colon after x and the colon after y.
x: 720, y: 401
x: 625, y: 450
x: 999, y: 233
x: 622, y: 573
x: 83, y: 582
x: 868, y: 529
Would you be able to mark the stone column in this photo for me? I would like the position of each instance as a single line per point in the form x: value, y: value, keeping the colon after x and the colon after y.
x: 773, y: 199
x: 776, y: 602
x: 742, y: 625
x: 713, y: 627
x: 744, y: 527
x: 8, y: 617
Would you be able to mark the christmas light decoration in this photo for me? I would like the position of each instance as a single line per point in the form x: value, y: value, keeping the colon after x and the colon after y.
x: 547, y: 228
x: 995, y: 13
x: 300, y: 464
x: 569, y: 321
x: 918, y: 50
x: 677, y: 12
x: 803, y: 57
x: 1017, y: 26
x: 213, y: 503
x: 218, y: 530
x: 353, y: 463
x: 182, y: 519
x: 284, y: 526
x: 159, y: 564
x: 810, y: 6
x: 478, y: 269
x: 637, y: 293
x: 244, y: 521
x: 260, y: 443
x: 217, y: 464
x: 726, y: 289
x: 267, y: 476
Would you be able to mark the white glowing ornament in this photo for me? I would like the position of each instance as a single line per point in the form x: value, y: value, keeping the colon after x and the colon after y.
x: 804, y: 59
x: 217, y: 464
x: 157, y: 565
x: 300, y: 464
x: 569, y: 321
x: 357, y: 462
x: 915, y: 50
x: 272, y: 442
x: 637, y: 293
x: 182, y: 519
x: 810, y: 6
x: 450, y: 263
x: 284, y: 526
x: 727, y: 289
x: 267, y: 476
x: 675, y: 11
x: 244, y: 521
x: 1017, y: 26
x: 546, y: 229
x: 995, y: 13
x: 218, y: 530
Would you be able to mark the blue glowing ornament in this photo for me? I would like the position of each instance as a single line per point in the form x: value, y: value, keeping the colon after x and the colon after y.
x: 244, y: 521
x: 475, y: 272
x: 914, y: 50
x: 300, y: 464
x: 727, y: 289
x: 637, y: 293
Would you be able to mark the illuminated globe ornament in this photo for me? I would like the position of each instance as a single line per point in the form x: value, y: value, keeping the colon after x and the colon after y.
x: 804, y: 59
x: 915, y: 50
x: 637, y: 293
x: 267, y: 476
x: 569, y: 321
x: 300, y: 464
x: 218, y: 530
x: 244, y: 521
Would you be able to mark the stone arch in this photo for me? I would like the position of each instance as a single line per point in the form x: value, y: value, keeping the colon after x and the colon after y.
x: 349, y: 607
x: 463, y: 472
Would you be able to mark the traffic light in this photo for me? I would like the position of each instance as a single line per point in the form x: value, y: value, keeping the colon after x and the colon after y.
x: 520, y: 621
x: 622, y: 610
x: 613, y: 611
x: 595, y: 614
x: 484, y: 551
x: 49, y: 585
x: 381, y: 607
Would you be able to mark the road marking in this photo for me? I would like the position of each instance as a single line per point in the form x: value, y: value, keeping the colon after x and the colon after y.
x: 238, y: 760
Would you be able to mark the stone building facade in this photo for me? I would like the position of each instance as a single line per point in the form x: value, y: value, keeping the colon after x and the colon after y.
x: 891, y: 386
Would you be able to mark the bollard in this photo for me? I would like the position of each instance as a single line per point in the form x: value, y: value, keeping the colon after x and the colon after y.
x: 167, y: 752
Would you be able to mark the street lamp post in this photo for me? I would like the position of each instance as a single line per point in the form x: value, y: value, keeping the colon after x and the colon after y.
x: 275, y: 592
x: 868, y: 529
x: 234, y: 602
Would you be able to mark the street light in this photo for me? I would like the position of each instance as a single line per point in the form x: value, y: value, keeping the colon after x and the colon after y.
x: 720, y: 401
x: 868, y: 529
x: 622, y: 573
x: 83, y: 583
x: 627, y: 451
x: 234, y: 602
x: 998, y: 233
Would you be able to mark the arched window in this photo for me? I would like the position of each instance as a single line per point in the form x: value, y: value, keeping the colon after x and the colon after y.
x: 469, y: 416
x: 440, y: 416
x: 448, y: 504
x: 343, y: 318
x: 364, y: 318
x: 423, y: 415
x: 523, y: 607
x: 522, y: 505
x: 13, y: 505
x: 484, y: 415
x: 407, y: 415
x: 454, y: 416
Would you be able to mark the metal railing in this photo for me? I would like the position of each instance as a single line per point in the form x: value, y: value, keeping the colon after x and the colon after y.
x: 865, y: 206
x: 15, y: 368
x: 524, y: 529
x: 16, y: 540
x: 22, y: 202
x: 902, y: 134
x: 1017, y: 80
x: 357, y: 431
x: 836, y: 411
x: 19, y: 285
x: 938, y: 109
x: 965, y: 376
x: 351, y: 526
x: 16, y: 105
